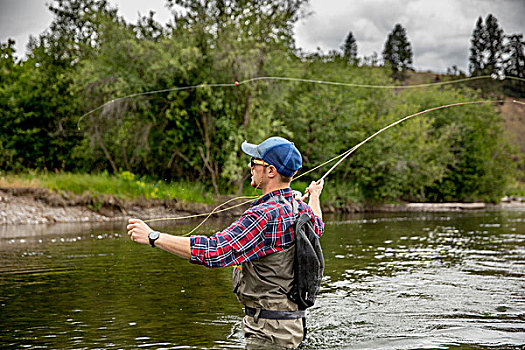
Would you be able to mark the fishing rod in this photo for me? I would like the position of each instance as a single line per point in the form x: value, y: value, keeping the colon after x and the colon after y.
x: 345, y: 154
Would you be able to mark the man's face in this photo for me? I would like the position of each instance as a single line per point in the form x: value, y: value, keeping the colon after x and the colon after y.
x: 257, y: 169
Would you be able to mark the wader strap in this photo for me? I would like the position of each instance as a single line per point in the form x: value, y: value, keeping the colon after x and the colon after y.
x: 305, y: 329
x: 274, y: 314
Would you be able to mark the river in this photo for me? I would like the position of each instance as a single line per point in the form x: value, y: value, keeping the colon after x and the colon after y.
x: 392, y: 281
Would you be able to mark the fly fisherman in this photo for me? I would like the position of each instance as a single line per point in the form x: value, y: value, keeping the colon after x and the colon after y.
x: 260, y: 245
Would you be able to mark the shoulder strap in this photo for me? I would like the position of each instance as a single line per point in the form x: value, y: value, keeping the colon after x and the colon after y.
x: 294, y: 204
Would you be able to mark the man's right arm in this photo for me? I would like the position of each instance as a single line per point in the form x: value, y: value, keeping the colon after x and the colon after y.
x: 314, y: 202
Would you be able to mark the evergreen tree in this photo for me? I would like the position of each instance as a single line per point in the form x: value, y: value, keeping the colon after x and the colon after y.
x: 494, y: 45
x: 515, y: 49
x: 477, y: 48
x: 514, y: 64
x: 486, y: 48
x: 350, y: 49
x: 397, y: 52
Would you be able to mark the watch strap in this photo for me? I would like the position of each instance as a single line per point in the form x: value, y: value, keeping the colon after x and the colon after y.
x: 152, y: 240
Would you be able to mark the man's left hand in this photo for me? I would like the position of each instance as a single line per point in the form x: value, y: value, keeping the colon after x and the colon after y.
x: 138, y: 231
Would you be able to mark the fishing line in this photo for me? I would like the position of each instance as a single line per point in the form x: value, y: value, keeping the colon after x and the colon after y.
x: 353, y: 149
x: 247, y: 81
x: 343, y: 156
x: 151, y: 93
x: 367, y: 86
x: 214, y: 211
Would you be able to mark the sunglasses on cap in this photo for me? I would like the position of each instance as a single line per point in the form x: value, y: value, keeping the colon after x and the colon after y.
x: 255, y: 161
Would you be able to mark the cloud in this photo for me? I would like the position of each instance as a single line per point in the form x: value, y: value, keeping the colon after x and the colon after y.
x: 439, y: 31
x: 19, y: 19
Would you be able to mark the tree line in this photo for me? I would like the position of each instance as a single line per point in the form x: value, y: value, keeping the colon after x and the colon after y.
x: 491, y: 53
x: 61, y: 107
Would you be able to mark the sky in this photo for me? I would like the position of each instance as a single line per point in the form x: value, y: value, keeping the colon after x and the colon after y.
x: 438, y: 30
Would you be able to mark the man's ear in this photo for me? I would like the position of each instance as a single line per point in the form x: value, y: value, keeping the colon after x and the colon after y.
x: 272, y: 172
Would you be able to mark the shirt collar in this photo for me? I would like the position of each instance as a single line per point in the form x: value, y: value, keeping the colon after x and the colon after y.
x: 285, y: 192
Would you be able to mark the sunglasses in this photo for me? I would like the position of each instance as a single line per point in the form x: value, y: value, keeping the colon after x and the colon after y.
x: 254, y: 162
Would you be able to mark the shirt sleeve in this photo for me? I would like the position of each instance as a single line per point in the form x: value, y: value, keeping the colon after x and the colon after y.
x: 318, y: 225
x: 241, y: 241
x: 317, y: 221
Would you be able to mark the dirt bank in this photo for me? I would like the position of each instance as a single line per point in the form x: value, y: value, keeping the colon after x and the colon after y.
x: 42, y: 206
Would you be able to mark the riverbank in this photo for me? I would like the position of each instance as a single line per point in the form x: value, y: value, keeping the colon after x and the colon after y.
x: 21, y: 205
x: 26, y: 205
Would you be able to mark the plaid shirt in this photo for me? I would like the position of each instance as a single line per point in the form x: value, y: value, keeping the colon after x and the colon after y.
x: 265, y: 228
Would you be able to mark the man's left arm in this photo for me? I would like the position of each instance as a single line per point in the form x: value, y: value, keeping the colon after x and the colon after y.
x: 138, y: 230
x: 239, y: 242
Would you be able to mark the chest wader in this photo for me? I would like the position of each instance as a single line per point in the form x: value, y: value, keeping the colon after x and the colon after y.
x: 263, y: 286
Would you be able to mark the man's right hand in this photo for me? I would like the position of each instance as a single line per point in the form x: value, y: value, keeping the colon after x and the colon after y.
x: 315, y: 188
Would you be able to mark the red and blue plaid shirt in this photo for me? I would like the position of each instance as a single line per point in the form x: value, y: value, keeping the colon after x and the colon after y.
x: 265, y: 228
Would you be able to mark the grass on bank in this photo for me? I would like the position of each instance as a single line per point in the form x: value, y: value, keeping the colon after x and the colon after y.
x: 123, y: 186
x: 127, y: 186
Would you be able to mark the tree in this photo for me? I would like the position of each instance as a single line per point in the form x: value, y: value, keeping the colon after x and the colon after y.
x: 486, y: 48
x: 195, y: 133
x: 454, y: 70
x: 514, y: 64
x: 75, y: 29
x: 350, y: 49
x: 477, y: 49
x: 239, y: 39
x: 397, y: 52
x: 10, y: 72
x: 39, y: 121
x: 372, y: 60
x: 494, y: 45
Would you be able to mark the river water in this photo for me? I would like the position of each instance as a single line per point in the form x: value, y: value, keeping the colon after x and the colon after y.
x: 392, y: 281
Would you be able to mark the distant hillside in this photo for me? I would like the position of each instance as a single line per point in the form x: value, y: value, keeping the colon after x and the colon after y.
x: 513, y: 113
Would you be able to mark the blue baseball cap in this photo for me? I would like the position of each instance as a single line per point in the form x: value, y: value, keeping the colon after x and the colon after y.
x: 276, y: 151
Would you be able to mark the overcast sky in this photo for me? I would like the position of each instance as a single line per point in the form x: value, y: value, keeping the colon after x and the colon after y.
x: 439, y: 30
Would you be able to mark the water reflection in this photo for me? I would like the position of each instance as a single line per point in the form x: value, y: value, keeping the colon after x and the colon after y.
x: 392, y: 281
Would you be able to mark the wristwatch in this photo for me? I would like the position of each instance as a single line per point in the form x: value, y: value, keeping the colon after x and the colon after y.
x: 153, y: 236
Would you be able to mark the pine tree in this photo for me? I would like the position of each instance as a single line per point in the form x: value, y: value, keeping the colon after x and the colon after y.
x: 477, y: 48
x: 494, y: 45
x: 514, y: 64
x: 486, y: 50
x: 350, y: 49
x: 397, y: 52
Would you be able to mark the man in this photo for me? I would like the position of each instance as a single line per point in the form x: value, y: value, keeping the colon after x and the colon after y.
x: 260, y: 244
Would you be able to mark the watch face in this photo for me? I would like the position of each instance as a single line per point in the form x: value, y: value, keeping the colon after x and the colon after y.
x: 154, y: 235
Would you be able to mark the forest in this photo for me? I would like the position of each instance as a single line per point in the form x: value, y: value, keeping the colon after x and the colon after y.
x: 82, y: 101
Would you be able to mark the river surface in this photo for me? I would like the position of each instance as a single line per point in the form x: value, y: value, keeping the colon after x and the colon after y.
x: 392, y: 281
